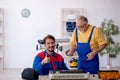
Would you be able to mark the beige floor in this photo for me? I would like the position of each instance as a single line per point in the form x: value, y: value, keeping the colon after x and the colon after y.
x: 11, y: 74
x: 15, y: 74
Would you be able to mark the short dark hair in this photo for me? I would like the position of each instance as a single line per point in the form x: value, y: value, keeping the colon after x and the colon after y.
x: 83, y: 18
x: 48, y: 37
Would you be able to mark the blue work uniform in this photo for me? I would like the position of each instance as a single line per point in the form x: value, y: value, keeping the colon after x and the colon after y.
x: 56, y: 63
x: 83, y: 49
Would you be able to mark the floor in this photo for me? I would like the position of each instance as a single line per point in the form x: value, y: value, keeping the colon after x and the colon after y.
x: 11, y: 74
x: 15, y: 74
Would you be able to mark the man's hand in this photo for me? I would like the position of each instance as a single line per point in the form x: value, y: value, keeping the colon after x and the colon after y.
x: 45, y: 60
x: 69, y: 53
x: 90, y: 56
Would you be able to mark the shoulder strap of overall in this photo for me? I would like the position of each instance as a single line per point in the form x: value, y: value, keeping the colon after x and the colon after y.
x: 91, y: 33
x: 76, y: 35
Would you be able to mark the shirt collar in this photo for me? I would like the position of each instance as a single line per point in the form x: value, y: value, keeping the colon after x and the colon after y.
x: 54, y: 53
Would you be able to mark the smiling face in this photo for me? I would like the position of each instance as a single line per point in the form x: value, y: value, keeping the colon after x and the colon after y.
x: 49, y: 42
x: 50, y: 45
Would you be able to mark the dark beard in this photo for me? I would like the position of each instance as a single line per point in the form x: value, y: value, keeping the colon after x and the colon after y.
x: 51, y: 50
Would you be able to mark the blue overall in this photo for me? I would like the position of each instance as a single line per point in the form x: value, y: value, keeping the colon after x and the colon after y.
x: 83, y: 49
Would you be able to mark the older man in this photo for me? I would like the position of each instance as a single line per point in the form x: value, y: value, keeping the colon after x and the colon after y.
x: 88, y: 41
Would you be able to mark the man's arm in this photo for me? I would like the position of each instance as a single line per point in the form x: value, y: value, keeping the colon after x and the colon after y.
x: 93, y: 53
x: 70, y: 51
x: 99, y: 49
x: 37, y: 65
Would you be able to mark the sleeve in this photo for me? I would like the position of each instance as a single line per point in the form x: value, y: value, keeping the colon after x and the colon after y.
x: 73, y: 38
x: 100, y: 37
x: 37, y: 65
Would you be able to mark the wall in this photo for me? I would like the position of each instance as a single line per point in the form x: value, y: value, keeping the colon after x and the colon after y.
x: 21, y: 34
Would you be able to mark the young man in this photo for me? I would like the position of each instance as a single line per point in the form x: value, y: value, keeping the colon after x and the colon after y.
x: 48, y: 59
x: 88, y: 41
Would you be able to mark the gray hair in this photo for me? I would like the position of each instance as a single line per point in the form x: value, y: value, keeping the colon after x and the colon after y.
x: 83, y: 18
